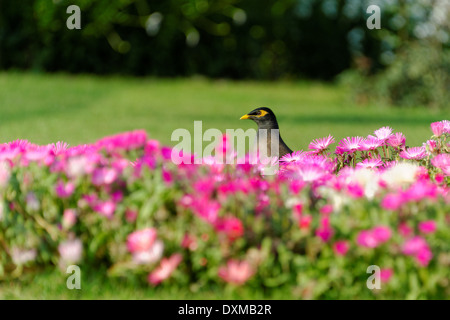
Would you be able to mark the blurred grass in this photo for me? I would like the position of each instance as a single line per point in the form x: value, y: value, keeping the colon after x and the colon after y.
x: 46, y: 108
x: 51, y: 285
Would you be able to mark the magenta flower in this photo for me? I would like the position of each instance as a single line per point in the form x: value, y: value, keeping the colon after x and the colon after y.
x: 374, y: 237
x: 386, y: 274
x: 438, y: 128
x: 414, y: 153
x: 325, y: 231
x: 371, y: 143
x: 304, y: 221
x: 64, y: 190
x: 321, y: 144
x: 414, y: 245
x: 441, y: 161
x: 392, y: 201
x: 381, y: 233
x: 424, y: 256
x: 404, y: 230
x: 367, y: 239
x: 236, y: 272
x: 349, y: 144
x: 104, y: 176
x: 232, y: 227
x: 165, y: 269
x: 383, y: 133
x: 141, y: 240
x: 370, y: 163
x: 341, y: 247
x: 127, y: 140
x: 105, y: 208
x: 396, y: 140
x: 430, y: 146
x: 326, y: 209
x: 292, y: 157
x: 427, y: 227
x: 355, y: 190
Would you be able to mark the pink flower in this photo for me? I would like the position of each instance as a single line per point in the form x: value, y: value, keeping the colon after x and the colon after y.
x: 326, y: 209
x: 414, y: 245
x: 424, y: 256
x: 349, y: 144
x: 396, y: 140
x: 70, y: 251
x: 236, y: 272
x: 404, y: 230
x: 427, y: 227
x: 325, y: 231
x: 381, y: 233
x: 441, y: 161
x: 415, y: 153
x: 106, y: 208
x: 127, y: 140
x: 374, y: 237
x: 341, y: 247
x: 141, y: 240
x: 231, y: 226
x: 392, y: 201
x: 355, y: 190
x: 386, y: 274
x: 292, y: 157
x: 104, y: 176
x: 304, y: 221
x: 167, y: 176
x: 165, y: 269
x: 64, y: 190
x: 366, y: 239
x: 371, y: 143
x: 438, y: 128
x: 321, y: 144
x: 430, y: 145
x: 383, y: 133
x: 151, y: 255
x: 370, y: 163
x: 69, y: 218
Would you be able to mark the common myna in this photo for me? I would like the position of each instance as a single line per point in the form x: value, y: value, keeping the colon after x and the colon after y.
x: 265, y: 119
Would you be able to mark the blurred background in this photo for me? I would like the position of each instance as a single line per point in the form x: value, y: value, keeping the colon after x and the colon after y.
x: 159, y: 65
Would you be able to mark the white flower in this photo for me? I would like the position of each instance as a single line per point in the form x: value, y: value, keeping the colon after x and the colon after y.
x: 4, y: 174
x: 22, y: 256
x: 368, y: 179
x: 400, y: 174
x: 71, y: 251
x: 151, y: 255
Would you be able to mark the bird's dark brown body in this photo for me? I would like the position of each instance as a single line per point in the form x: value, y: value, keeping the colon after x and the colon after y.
x: 266, y: 120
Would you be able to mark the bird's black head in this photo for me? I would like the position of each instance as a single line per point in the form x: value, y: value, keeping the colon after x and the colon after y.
x: 264, y: 118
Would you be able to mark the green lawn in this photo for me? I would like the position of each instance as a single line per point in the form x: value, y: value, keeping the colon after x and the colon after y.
x: 81, y: 109
x: 51, y: 285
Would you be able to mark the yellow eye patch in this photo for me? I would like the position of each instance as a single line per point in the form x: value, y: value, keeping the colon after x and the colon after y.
x: 263, y: 113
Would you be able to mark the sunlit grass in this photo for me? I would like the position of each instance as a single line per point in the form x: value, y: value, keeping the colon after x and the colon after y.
x: 81, y: 109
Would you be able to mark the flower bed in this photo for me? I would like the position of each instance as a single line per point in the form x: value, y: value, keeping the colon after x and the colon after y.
x: 316, y: 226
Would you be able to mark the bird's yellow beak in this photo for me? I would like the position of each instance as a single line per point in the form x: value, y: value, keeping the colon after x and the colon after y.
x: 245, y: 116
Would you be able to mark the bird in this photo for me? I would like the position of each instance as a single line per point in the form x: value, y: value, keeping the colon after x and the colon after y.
x: 265, y: 119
